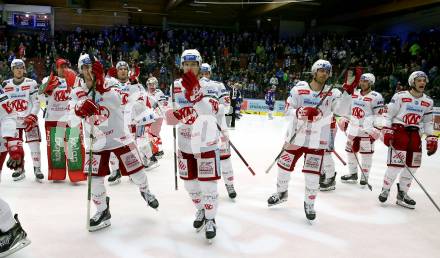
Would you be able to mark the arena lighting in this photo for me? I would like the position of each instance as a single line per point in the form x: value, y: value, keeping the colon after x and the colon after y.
x: 253, y: 2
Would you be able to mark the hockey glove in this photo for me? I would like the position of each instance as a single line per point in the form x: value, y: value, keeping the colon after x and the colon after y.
x: 86, y: 107
x: 387, y: 135
x: 16, y: 153
x: 30, y: 121
x: 431, y: 144
x: 343, y: 123
x: 310, y: 114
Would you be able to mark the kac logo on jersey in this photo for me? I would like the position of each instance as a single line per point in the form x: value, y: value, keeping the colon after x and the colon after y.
x: 412, y: 119
x: 61, y: 95
x: 357, y: 112
x: 19, y: 105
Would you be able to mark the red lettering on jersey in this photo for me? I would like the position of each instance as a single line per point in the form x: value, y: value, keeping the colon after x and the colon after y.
x: 358, y: 112
x: 368, y: 99
x: 227, y: 99
x: 81, y: 94
x: 19, y: 105
x: 325, y: 94
x: 214, y: 104
x: 25, y: 87
x: 187, y: 115
x: 406, y: 100
x: 7, y: 107
x: 354, y: 96
x: 61, y: 95
x: 124, y: 98
x: 424, y: 103
x: 8, y: 89
x: 412, y: 119
x: 303, y: 92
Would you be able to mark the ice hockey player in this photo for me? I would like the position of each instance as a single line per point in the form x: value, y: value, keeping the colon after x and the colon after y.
x: 224, y: 106
x: 23, y: 97
x: 159, y: 102
x: 409, y: 114
x: 361, y: 128
x: 198, y: 139
x: 12, y: 235
x: 63, y: 128
x: 311, y: 127
x: 105, y: 114
x: 270, y: 101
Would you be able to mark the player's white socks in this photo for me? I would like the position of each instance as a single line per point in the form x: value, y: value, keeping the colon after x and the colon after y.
x: 390, y: 175
x: 141, y: 180
x: 193, y: 189
x: 352, y: 163
x: 406, y: 179
x: 98, y: 193
x: 114, y: 163
x: 329, y: 165
x: 367, y: 160
x: 311, y: 187
x: 209, y: 197
x: 7, y: 221
x: 227, y: 172
x: 283, y: 179
x: 35, y: 153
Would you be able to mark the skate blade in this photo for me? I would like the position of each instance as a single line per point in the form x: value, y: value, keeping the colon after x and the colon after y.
x: 39, y: 180
x: 152, y: 167
x: 311, y: 222
x: 400, y: 203
x: 270, y: 205
x: 200, y: 228
x: 18, y: 246
x: 104, y: 224
x: 349, y: 181
x: 327, y: 189
x: 16, y: 179
x: 210, y: 241
x: 117, y: 181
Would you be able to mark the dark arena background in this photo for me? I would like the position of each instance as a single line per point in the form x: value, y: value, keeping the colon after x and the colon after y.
x: 259, y: 50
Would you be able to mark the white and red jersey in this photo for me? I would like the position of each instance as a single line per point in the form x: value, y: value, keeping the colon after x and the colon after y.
x: 110, y: 126
x: 157, y: 101
x: 197, y: 130
x: 407, y: 110
x: 57, y: 103
x: 316, y: 134
x: 366, y: 113
x: 8, y: 119
x: 23, y: 98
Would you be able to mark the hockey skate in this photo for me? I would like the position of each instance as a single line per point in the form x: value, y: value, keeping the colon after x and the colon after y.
x: 38, y: 175
x: 150, y: 199
x: 404, y: 200
x: 13, y: 240
x: 277, y: 198
x: 329, y: 184
x: 210, y: 230
x: 383, y: 196
x: 309, y: 210
x: 115, y: 178
x: 231, y: 191
x: 150, y: 163
x: 200, y: 220
x: 159, y: 154
x: 101, y: 219
x: 18, y: 174
x: 350, y: 179
x: 364, y: 180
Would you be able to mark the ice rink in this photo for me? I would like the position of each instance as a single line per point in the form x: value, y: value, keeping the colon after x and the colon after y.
x: 350, y: 221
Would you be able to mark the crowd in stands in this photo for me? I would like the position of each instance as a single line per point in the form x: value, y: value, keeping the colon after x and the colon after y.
x: 249, y: 60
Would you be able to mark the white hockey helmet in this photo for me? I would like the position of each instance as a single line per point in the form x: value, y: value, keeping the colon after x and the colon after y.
x: 205, y: 68
x: 369, y: 77
x: 83, y: 60
x: 412, y: 78
x: 322, y: 64
x: 190, y: 55
x: 153, y: 80
x: 17, y: 62
x: 121, y: 64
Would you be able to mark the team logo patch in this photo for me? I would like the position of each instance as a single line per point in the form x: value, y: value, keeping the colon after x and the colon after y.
x: 425, y: 104
x: 406, y: 100
x: 183, y: 167
x: 206, y: 168
x: 131, y: 160
x: 61, y: 95
x: 8, y: 89
x: 412, y: 119
x: 95, y: 163
x: 286, y: 160
x: 312, y: 163
x: 27, y: 87
x: 19, y: 105
x: 357, y: 112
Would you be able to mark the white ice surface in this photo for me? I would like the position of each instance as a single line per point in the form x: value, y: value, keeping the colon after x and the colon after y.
x: 350, y: 221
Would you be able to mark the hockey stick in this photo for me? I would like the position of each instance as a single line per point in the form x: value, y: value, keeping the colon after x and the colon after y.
x: 238, y: 153
x: 360, y: 166
x: 415, y: 178
x: 89, y: 172
x: 173, y: 101
x: 317, y: 106
x: 339, y: 157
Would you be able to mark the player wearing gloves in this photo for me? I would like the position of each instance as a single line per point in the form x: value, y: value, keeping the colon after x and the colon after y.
x: 23, y: 99
x: 198, y: 137
x: 311, y: 126
x: 105, y: 112
x: 409, y: 114
x: 361, y: 128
